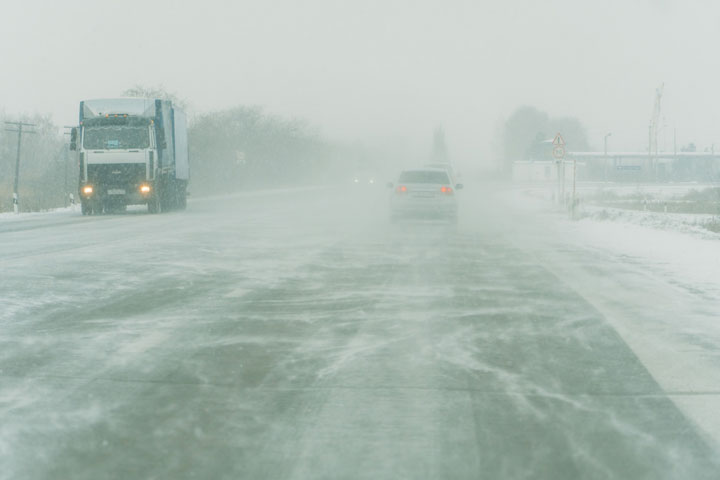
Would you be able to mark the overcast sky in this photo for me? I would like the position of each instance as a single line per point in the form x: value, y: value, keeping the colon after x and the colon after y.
x: 381, y: 70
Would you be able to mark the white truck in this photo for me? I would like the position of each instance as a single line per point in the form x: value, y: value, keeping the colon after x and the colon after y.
x: 131, y: 151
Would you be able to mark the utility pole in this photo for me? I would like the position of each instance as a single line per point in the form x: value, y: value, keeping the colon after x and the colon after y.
x: 606, y: 159
x: 650, y: 160
x: 654, y: 129
x: 19, y: 129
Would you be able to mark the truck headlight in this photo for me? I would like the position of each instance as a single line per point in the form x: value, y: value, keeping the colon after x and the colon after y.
x: 144, y: 188
x: 87, y: 190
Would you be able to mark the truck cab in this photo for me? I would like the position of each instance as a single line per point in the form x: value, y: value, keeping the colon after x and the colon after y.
x: 131, y: 151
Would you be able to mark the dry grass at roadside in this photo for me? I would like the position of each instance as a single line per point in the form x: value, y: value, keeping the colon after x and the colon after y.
x: 705, y: 201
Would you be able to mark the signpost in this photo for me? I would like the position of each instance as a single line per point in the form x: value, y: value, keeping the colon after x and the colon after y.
x: 574, y: 198
x: 559, y: 154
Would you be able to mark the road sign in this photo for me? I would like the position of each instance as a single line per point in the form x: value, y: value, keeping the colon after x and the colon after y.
x: 559, y: 152
x: 559, y: 141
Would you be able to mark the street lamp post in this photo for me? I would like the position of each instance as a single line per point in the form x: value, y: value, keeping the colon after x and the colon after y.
x: 605, y: 158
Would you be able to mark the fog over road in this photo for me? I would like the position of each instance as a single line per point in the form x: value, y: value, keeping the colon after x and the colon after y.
x: 298, y: 334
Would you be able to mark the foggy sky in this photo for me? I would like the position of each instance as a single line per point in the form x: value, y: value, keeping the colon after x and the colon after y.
x: 380, y: 70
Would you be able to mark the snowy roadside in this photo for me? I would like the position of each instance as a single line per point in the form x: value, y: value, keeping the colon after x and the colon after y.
x: 75, y: 209
x: 62, y: 211
x: 679, y: 247
x: 699, y: 225
x: 675, y: 248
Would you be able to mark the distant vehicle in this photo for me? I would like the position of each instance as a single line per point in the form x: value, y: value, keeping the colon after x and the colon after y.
x: 131, y: 151
x: 363, y: 179
x: 424, y: 193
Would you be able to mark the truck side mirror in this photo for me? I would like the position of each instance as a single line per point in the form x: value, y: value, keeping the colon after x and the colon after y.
x: 73, y: 138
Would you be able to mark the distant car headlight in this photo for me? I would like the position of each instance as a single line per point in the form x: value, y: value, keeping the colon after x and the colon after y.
x: 87, y: 190
x: 144, y: 188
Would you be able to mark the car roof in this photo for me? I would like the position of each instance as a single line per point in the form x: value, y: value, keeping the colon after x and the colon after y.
x: 425, y: 169
x: 422, y: 172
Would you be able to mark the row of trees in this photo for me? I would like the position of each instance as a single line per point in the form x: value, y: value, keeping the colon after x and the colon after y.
x: 244, y: 147
x: 527, y: 130
x: 46, y: 171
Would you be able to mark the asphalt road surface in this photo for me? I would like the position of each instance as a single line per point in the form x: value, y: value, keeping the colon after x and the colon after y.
x: 298, y: 334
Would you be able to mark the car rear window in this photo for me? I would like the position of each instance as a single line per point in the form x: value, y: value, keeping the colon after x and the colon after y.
x: 424, y: 176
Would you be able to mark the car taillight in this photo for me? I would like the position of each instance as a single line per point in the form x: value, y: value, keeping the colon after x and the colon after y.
x: 401, y: 189
x: 446, y: 190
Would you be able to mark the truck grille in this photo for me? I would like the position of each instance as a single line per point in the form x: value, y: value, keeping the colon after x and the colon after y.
x: 116, y: 174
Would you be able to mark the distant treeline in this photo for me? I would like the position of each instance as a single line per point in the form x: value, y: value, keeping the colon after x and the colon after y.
x: 526, y: 132
x: 44, y: 162
x: 230, y: 150
x: 244, y: 147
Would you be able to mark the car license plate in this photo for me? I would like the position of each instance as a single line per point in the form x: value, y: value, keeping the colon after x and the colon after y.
x: 116, y: 191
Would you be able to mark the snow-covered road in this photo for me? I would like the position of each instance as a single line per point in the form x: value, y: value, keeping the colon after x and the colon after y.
x: 297, y: 334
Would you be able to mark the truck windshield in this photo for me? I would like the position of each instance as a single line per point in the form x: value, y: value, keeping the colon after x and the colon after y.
x: 116, y: 137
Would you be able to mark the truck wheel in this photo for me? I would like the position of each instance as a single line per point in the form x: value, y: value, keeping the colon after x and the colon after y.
x: 94, y: 207
x: 180, y: 196
x: 166, y: 200
x: 154, y: 204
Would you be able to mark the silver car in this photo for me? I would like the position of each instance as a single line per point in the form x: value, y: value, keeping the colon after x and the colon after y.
x: 424, y: 193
